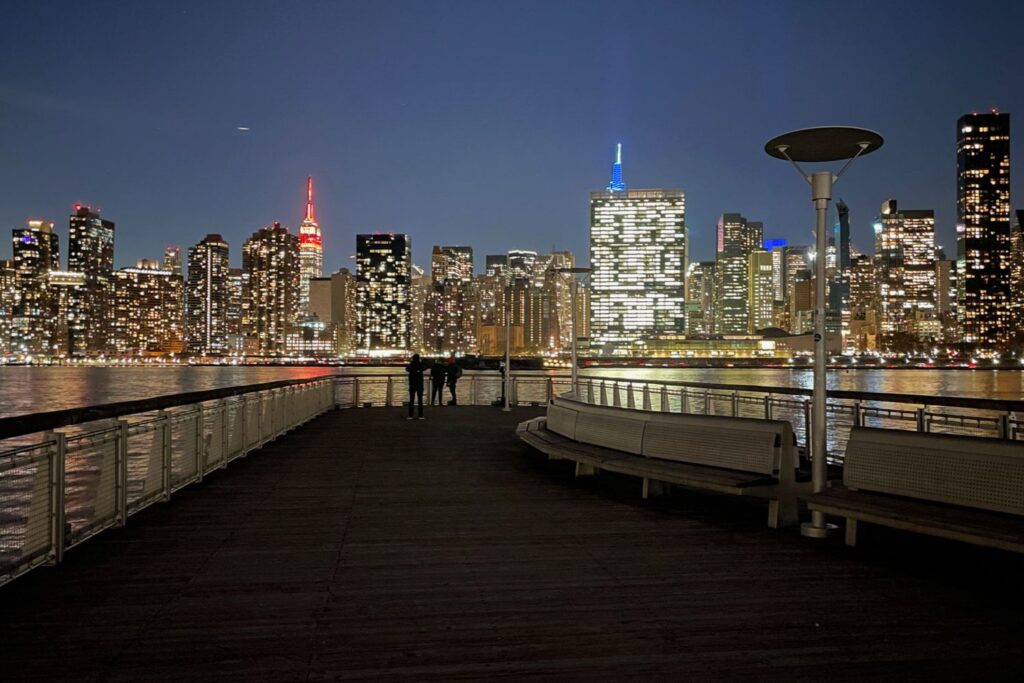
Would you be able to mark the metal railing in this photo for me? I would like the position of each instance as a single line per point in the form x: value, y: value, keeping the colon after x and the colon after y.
x: 61, y: 487
x: 65, y: 476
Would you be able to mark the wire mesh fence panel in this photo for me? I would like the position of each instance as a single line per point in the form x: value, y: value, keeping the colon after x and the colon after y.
x: 964, y: 422
x: 794, y: 411
x: 841, y: 416
x: 145, y: 449
x: 90, y: 483
x: 213, y: 432
x: 235, y: 420
x: 25, y: 507
x: 184, y: 446
x: 889, y: 417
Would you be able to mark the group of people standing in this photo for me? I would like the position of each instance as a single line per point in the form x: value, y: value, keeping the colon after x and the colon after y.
x: 440, y: 374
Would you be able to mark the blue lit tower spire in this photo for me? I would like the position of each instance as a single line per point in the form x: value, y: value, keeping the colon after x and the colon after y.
x: 616, y: 185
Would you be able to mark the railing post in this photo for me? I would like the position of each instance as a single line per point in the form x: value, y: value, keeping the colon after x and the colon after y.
x: 735, y: 404
x: 630, y: 403
x: 604, y: 394
x: 919, y: 415
x: 472, y: 389
x: 646, y: 397
x: 225, y: 433
x: 165, y: 459
x: 243, y: 424
x: 665, y: 405
x: 389, y: 394
x: 514, y: 397
x: 57, y: 518
x: 200, y: 442
x: 1004, y: 426
x: 550, y: 389
x: 590, y: 391
x: 707, y: 402
x: 767, y: 406
x: 121, y: 468
x: 615, y: 394
x: 858, y: 415
x: 355, y: 392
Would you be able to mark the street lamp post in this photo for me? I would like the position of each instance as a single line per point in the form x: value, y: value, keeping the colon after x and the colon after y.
x: 574, y: 373
x: 810, y: 145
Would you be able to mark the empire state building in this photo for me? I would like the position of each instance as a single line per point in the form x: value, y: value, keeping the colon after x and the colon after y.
x: 311, y: 249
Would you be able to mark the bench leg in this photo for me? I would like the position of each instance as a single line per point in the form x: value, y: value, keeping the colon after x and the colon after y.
x: 851, y: 532
x: 783, y: 512
x: 586, y: 470
x: 654, y: 488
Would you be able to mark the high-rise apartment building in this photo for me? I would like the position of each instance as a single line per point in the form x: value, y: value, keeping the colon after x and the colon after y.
x: 449, y: 322
x: 383, y: 272
x: 1017, y: 272
x: 737, y: 239
x: 148, y: 316
x: 270, y: 289
x: 905, y: 272
x: 91, y: 252
x: 496, y: 264
x: 521, y: 263
x: 36, y: 251
x: 343, y: 310
x: 638, y: 256
x: 761, y: 290
x: 172, y: 260
x: 863, y: 330
x: 837, y: 316
x: 311, y: 249
x: 206, y: 298
x: 233, y: 316
x: 983, y: 229
x: 8, y: 299
x: 700, y: 298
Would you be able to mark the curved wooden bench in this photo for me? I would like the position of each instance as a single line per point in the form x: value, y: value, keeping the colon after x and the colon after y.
x: 731, y: 455
x: 963, y: 488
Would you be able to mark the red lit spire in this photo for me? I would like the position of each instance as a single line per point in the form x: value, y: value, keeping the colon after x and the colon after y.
x: 310, y: 215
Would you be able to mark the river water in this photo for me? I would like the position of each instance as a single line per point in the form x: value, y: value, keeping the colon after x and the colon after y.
x: 37, y: 389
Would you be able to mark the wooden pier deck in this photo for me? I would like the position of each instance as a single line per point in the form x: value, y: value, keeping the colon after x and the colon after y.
x: 365, y: 547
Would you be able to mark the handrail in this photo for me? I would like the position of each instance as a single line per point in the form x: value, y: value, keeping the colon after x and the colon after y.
x: 30, y: 423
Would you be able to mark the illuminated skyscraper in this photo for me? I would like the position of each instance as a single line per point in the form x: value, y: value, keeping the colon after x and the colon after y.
x: 311, y: 250
x: 737, y: 240
x: 905, y: 271
x: 1017, y: 271
x: 521, y: 263
x: 207, y: 296
x: 148, y: 316
x: 638, y: 254
x: 383, y: 271
x: 270, y: 289
x: 983, y: 228
x: 449, y: 322
x: 91, y: 252
x: 36, y: 252
x: 700, y: 298
x: 616, y: 184
x: 8, y: 299
x: 761, y: 290
x: 172, y: 260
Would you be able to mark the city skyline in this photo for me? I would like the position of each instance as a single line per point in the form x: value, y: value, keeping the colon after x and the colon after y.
x: 481, y: 132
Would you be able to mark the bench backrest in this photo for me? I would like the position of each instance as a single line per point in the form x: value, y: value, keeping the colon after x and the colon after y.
x: 733, y: 443
x: 987, y: 474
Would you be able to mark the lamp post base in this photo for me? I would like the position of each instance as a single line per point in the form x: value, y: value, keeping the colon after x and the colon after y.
x: 812, y: 530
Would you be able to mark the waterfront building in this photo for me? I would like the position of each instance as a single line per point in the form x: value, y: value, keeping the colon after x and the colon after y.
x: 837, y: 317
x: 8, y: 299
x: 320, y: 298
x: 91, y: 252
x: 638, y: 256
x: 270, y: 289
x: 207, y: 297
x: 311, y: 249
x: 777, y: 248
x: 148, y: 315
x: 172, y: 260
x: 65, y: 294
x: 862, y: 335
x: 491, y: 292
x: 343, y: 310
x: 761, y: 290
x: 796, y: 259
x: 36, y: 251
x: 801, y: 302
x: 983, y: 229
x: 737, y: 239
x: 1017, y: 273
x: 700, y: 299
x: 383, y: 273
x: 905, y: 272
x: 449, y: 323
x: 945, y: 300
x: 233, y: 312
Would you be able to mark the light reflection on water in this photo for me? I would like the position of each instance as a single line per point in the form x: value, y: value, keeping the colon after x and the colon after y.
x: 37, y: 389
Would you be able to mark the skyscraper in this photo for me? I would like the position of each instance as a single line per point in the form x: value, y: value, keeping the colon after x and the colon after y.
x: 383, y: 271
x: 206, y: 298
x: 616, y: 184
x: 496, y: 264
x: 270, y: 265
x: 521, y: 263
x: 737, y: 239
x: 983, y: 228
x: 1017, y: 271
x: 700, y: 298
x: 449, y: 324
x: 36, y: 250
x: 905, y: 272
x: 172, y: 260
x: 311, y: 250
x: 91, y: 252
x: 638, y: 255
x: 837, y: 317
x: 8, y: 299
x: 761, y: 290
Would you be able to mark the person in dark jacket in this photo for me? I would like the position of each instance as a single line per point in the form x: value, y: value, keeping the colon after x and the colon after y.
x: 453, y: 373
x: 437, y: 375
x: 415, y: 370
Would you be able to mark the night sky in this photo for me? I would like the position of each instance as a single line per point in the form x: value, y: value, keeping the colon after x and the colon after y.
x: 481, y: 123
